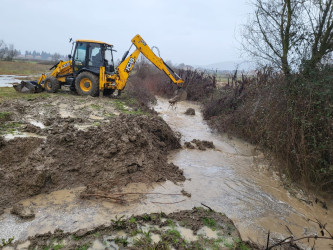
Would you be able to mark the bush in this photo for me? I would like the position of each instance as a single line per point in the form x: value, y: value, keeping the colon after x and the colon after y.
x: 137, y: 89
x: 198, y: 85
x: 293, y: 118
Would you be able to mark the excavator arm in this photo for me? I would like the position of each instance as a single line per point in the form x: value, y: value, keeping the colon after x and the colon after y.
x: 127, y: 65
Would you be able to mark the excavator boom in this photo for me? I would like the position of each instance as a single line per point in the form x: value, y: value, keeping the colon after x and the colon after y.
x: 126, y: 66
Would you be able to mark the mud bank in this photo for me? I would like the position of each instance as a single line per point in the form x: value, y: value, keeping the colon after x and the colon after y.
x: 105, y: 158
x: 189, y: 229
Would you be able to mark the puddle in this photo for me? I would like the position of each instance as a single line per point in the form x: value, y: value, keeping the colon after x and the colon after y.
x: 37, y: 124
x: 18, y: 134
x: 7, y: 80
x: 227, y: 179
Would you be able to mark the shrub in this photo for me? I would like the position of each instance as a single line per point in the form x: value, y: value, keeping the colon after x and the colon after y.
x: 292, y: 117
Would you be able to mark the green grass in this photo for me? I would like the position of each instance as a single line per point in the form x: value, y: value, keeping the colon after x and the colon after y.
x: 9, y: 127
x: 11, y: 93
x: 4, y: 116
x: 22, y: 68
x: 119, y: 223
x: 209, y: 222
x: 136, y: 231
x: 76, y: 238
x: 144, y: 242
x: 95, y: 106
x: 96, y: 124
x: 54, y: 246
x: 7, y: 242
x: 174, y: 234
x: 121, y: 240
x: 132, y: 220
x: 83, y: 247
x: 171, y: 223
x: 123, y: 106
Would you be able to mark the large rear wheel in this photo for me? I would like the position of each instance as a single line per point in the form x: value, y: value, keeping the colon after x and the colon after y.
x: 86, y: 83
x: 51, y: 84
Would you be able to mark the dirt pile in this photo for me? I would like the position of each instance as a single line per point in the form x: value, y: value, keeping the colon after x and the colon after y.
x: 190, y: 111
x: 201, y: 145
x: 22, y: 212
x: 127, y: 149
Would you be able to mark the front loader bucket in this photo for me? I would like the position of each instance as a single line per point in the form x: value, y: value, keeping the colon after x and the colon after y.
x: 28, y: 87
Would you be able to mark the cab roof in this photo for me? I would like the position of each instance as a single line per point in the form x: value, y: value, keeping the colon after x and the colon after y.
x: 92, y: 41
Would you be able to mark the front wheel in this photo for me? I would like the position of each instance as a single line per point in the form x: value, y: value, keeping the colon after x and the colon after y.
x: 87, y: 83
x: 51, y: 84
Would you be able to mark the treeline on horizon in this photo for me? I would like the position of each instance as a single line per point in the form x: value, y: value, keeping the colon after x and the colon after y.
x: 8, y: 52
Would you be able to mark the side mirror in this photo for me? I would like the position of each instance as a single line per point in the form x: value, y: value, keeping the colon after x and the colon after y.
x: 69, y: 56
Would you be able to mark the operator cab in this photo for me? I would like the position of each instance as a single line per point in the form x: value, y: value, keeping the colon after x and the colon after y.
x: 91, y: 55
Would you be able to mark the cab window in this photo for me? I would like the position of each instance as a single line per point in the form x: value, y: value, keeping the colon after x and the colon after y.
x: 109, y: 60
x: 95, y: 55
x: 80, y: 53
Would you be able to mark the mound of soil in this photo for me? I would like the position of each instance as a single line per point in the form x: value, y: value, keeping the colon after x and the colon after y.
x: 201, y: 145
x: 127, y: 149
x: 190, y: 111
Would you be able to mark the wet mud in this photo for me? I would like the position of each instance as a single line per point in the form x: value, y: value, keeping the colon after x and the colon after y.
x: 187, y: 229
x: 127, y: 149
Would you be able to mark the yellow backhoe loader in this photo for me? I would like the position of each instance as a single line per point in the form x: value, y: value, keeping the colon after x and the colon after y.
x: 90, y: 69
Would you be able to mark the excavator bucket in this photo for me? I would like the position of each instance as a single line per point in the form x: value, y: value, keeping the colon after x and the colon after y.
x: 28, y: 87
x: 180, y: 95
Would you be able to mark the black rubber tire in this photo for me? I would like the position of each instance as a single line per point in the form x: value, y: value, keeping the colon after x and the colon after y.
x: 51, y: 84
x: 92, y: 81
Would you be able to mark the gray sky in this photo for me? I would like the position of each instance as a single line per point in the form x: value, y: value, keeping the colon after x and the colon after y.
x: 195, y: 32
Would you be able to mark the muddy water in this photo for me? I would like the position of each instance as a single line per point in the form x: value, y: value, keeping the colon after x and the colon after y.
x: 233, y: 179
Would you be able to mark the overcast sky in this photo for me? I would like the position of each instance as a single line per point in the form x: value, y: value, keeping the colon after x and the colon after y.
x: 195, y: 32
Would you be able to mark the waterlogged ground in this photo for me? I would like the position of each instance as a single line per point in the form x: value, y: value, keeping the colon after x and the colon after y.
x: 8, y: 80
x: 233, y: 179
x: 188, y: 229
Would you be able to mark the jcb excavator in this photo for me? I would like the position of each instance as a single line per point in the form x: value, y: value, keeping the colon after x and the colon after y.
x: 90, y: 70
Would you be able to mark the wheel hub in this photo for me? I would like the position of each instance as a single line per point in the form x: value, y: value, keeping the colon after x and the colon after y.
x: 87, y: 85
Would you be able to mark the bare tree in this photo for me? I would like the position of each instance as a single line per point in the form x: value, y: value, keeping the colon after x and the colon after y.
x: 2, y: 49
x: 56, y: 57
x: 289, y: 33
x: 272, y: 34
x: 11, y: 52
x: 319, y: 14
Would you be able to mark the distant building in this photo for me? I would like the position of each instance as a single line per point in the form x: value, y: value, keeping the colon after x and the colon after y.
x: 19, y: 57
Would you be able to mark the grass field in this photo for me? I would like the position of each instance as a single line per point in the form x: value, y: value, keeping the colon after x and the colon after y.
x: 22, y: 68
x: 10, y: 93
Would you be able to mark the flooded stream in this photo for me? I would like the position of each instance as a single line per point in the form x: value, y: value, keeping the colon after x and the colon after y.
x: 233, y: 179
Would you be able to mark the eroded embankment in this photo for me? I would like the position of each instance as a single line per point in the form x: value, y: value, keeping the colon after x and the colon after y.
x: 188, y: 229
x: 125, y: 150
